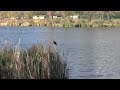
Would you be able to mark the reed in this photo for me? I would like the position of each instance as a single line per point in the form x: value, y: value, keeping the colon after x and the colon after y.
x: 65, y: 23
x: 36, y: 62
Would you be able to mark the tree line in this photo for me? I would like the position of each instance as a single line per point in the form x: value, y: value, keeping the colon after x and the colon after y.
x: 103, y: 15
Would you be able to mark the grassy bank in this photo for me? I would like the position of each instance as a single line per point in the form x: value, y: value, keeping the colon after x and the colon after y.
x: 36, y: 62
x: 87, y: 23
x: 63, y: 23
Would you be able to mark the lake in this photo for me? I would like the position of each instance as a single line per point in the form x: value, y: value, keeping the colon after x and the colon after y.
x: 91, y: 53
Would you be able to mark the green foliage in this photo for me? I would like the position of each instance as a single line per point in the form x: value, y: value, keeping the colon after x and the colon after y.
x: 9, y: 14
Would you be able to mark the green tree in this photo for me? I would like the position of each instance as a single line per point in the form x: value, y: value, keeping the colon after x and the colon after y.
x: 29, y: 14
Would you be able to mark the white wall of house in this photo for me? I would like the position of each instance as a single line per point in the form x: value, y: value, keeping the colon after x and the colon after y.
x: 54, y: 17
x: 74, y: 16
x: 12, y: 18
x: 38, y: 17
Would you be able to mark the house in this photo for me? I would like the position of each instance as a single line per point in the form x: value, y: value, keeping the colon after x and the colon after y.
x: 21, y: 17
x: 39, y: 17
x: 74, y: 16
x: 12, y: 18
x: 55, y: 17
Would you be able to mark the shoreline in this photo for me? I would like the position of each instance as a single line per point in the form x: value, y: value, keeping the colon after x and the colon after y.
x: 63, y: 23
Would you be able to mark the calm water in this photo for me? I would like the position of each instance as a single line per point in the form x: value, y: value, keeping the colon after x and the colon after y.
x: 92, y: 53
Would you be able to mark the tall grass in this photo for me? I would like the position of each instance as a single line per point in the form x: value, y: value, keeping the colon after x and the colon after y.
x: 36, y: 62
x: 65, y: 22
